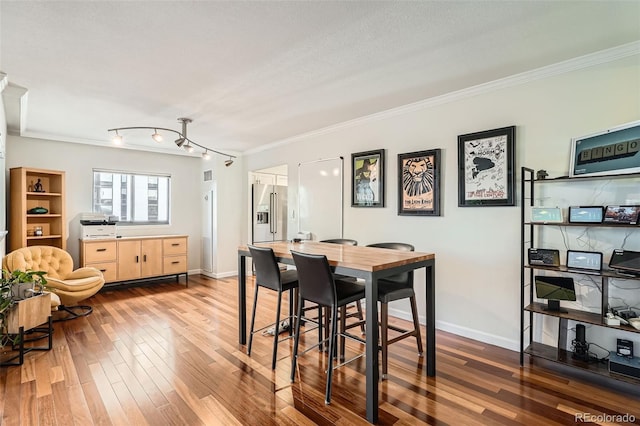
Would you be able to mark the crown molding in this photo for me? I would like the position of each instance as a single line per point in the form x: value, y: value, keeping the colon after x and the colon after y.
x: 570, y: 65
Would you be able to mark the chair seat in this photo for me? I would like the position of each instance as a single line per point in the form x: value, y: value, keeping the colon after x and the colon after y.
x: 389, y: 291
x: 348, y: 291
x: 289, y: 279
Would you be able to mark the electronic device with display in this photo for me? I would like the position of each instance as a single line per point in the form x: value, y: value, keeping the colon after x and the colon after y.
x: 555, y: 289
x: 625, y: 261
x: 623, y: 215
x: 591, y: 260
x: 545, y: 257
x: 546, y: 215
x: 589, y: 214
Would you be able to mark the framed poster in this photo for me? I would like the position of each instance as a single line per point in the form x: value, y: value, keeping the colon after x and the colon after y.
x: 485, y: 168
x: 419, y: 183
x: 613, y: 151
x: 367, y: 179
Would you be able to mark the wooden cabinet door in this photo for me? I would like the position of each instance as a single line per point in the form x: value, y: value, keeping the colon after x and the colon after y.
x: 151, y: 257
x: 129, y: 260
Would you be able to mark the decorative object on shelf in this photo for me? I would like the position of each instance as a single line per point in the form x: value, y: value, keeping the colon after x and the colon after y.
x: 485, y: 168
x: 38, y: 210
x: 367, y: 179
x: 419, y: 183
x: 37, y: 231
x: 542, y: 174
x: 37, y: 187
x: 613, y: 151
x: 182, y: 142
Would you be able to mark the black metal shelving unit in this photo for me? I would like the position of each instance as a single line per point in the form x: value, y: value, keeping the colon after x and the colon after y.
x: 529, y: 308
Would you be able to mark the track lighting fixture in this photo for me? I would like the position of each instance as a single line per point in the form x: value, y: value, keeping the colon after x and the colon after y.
x: 182, y: 142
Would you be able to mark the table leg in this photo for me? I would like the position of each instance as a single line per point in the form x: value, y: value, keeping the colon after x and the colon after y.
x: 431, y: 320
x: 242, y: 299
x: 371, y: 298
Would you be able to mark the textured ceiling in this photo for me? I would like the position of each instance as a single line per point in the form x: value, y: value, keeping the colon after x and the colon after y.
x: 254, y: 73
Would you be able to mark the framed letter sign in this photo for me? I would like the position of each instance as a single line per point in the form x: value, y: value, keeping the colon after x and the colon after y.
x: 610, y: 152
x: 419, y: 183
x: 485, y: 168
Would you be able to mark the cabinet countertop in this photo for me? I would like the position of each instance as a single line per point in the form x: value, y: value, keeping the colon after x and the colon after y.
x: 140, y: 237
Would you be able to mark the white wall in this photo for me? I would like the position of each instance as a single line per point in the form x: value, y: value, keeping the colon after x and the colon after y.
x: 3, y: 140
x: 78, y: 161
x: 477, y: 249
x: 228, y: 224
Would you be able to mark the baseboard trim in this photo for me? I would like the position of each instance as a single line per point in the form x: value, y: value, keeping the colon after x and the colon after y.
x: 458, y: 330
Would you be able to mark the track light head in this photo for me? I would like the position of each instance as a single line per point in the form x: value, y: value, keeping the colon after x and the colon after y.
x: 188, y: 147
x: 228, y: 162
x: 156, y: 136
x: 206, y: 155
x: 180, y: 141
x: 117, y: 139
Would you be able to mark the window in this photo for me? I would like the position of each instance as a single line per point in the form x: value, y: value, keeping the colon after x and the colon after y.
x: 136, y: 199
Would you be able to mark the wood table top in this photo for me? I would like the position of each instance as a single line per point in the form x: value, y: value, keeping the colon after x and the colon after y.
x: 354, y: 257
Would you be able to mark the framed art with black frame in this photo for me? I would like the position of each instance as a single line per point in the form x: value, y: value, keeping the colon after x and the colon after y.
x: 367, y: 179
x: 419, y: 183
x: 486, y: 168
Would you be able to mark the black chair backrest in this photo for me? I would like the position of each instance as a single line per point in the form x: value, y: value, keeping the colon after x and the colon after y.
x: 343, y: 241
x: 405, y: 278
x: 267, y: 270
x: 315, y: 280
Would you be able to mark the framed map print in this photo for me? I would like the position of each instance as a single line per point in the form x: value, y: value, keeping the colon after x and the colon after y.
x: 486, y: 168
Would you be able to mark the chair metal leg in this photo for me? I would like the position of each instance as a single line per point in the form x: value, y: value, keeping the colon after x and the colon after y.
x: 321, y: 334
x: 332, y: 342
x: 276, y: 334
x: 384, y: 337
x: 416, y: 324
x: 253, y: 319
x: 343, y: 324
x: 296, y: 341
x: 360, y: 317
x: 291, y: 311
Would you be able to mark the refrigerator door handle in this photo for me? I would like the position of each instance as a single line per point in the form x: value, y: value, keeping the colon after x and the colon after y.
x: 275, y: 212
x: 271, y: 212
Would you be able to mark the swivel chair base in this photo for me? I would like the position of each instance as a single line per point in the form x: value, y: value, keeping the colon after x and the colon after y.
x: 73, y: 312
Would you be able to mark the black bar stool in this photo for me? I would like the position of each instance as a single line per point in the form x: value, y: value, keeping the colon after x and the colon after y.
x: 317, y: 285
x: 268, y: 275
x: 393, y: 288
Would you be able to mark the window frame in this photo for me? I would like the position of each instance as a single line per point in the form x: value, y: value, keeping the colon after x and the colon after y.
x: 130, y: 193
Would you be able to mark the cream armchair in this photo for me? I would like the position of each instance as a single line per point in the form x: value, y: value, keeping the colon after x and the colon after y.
x: 70, y: 286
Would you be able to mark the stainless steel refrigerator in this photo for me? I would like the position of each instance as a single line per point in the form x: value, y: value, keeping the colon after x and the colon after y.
x: 269, y: 205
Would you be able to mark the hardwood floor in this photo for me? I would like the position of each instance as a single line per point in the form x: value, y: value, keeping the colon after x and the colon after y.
x: 163, y: 354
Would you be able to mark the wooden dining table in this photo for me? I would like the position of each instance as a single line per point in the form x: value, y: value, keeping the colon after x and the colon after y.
x: 370, y: 264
